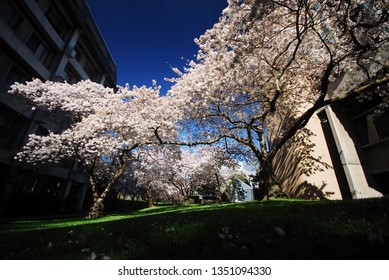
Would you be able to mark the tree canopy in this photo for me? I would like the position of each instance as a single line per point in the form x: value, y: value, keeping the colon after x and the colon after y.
x: 260, y: 74
x: 107, y: 127
x: 266, y: 67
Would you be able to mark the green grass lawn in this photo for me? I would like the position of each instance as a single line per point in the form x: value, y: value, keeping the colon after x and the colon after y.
x: 279, y: 229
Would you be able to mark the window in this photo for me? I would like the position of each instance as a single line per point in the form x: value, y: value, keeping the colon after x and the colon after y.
x: 42, y: 131
x: 381, y: 125
x: 5, y: 125
x: 78, y: 54
x: 40, y: 51
x: 78, y: 5
x: 33, y: 43
x: 89, y: 71
x: 15, y: 75
x: 70, y: 75
x: 372, y: 128
x: 56, y: 21
x: 9, y: 125
x: 10, y: 16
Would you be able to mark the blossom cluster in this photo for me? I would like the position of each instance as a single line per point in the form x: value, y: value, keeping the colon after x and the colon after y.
x: 106, y: 122
x: 265, y: 63
x: 169, y: 171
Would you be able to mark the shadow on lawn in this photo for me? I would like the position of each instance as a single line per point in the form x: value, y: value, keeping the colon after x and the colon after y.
x: 282, y: 229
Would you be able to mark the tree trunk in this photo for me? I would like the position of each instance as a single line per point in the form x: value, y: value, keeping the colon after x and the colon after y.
x: 97, y: 208
x: 98, y: 199
x: 150, y: 200
x: 273, y: 187
x: 218, y: 193
x: 186, y: 200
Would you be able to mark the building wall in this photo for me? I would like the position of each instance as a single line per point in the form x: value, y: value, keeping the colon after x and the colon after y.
x: 349, y: 142
x: 304, y: 168
x: 242, y: 192
x: 344, y: 155
x: 49, y: 40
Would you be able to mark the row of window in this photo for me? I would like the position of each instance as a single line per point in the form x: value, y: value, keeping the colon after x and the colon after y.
x: 9, y: 126
x: 373, y: 132
x: 15, y: 74
x: 41, y: 50
x: 372, y: 127
x: 10, y: 16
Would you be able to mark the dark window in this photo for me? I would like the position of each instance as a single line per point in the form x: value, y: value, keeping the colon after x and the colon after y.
x: 78, y: 5
x: 5, y: 125
x: 78, y: 54
x: 71, y: 76
x: 372, y: 127
x: 382, y: 180
x: 10, y: 16
x: 89, y: 71
x: 41, y: 131
x: 39, y: 49
x: 33, y: 43
x: 56, y: 22
x: 381, y: 124
x: 9, y: 125
x: 15, y: 75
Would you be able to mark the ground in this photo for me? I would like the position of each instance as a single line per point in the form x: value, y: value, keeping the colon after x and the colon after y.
x: 278, y: 229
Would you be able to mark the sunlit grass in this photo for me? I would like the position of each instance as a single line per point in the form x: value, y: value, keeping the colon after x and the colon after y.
x: 30, y: 225
x: 33, y: 225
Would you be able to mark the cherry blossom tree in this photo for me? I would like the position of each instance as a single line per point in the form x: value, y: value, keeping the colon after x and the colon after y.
x: 267, y: 66
x: 170, y: 172
x: 203, y: 171
x: 261, y: 72
x: 214, y: 168
x: 175, y: 168
x: 180, y: 173
x: 150, y: 173
x: 127, y: 186
x: 107, y: 128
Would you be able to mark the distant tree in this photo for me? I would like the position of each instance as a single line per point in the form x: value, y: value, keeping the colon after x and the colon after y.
x: 107, y: 128
x: 267, y: 66
x: 177, y: 174
x: 127, y: 185
x: 196, y: 172
x: 213, y: 170
x: 180, y: 166
x: 152, y: 173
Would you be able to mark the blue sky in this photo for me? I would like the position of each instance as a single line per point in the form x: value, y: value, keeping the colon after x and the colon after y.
x: 147, y: 37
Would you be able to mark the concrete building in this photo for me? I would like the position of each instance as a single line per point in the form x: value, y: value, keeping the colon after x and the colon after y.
x: 50, y: 40
x: 349, y: 152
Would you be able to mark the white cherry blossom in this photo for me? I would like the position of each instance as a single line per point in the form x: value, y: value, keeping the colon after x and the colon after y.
x: 107, y: 128
x: 265, y: 68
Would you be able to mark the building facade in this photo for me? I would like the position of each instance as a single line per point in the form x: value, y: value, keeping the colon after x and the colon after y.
x: 349, y: 155
x: 357, y: 138
x: 50, y: 40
